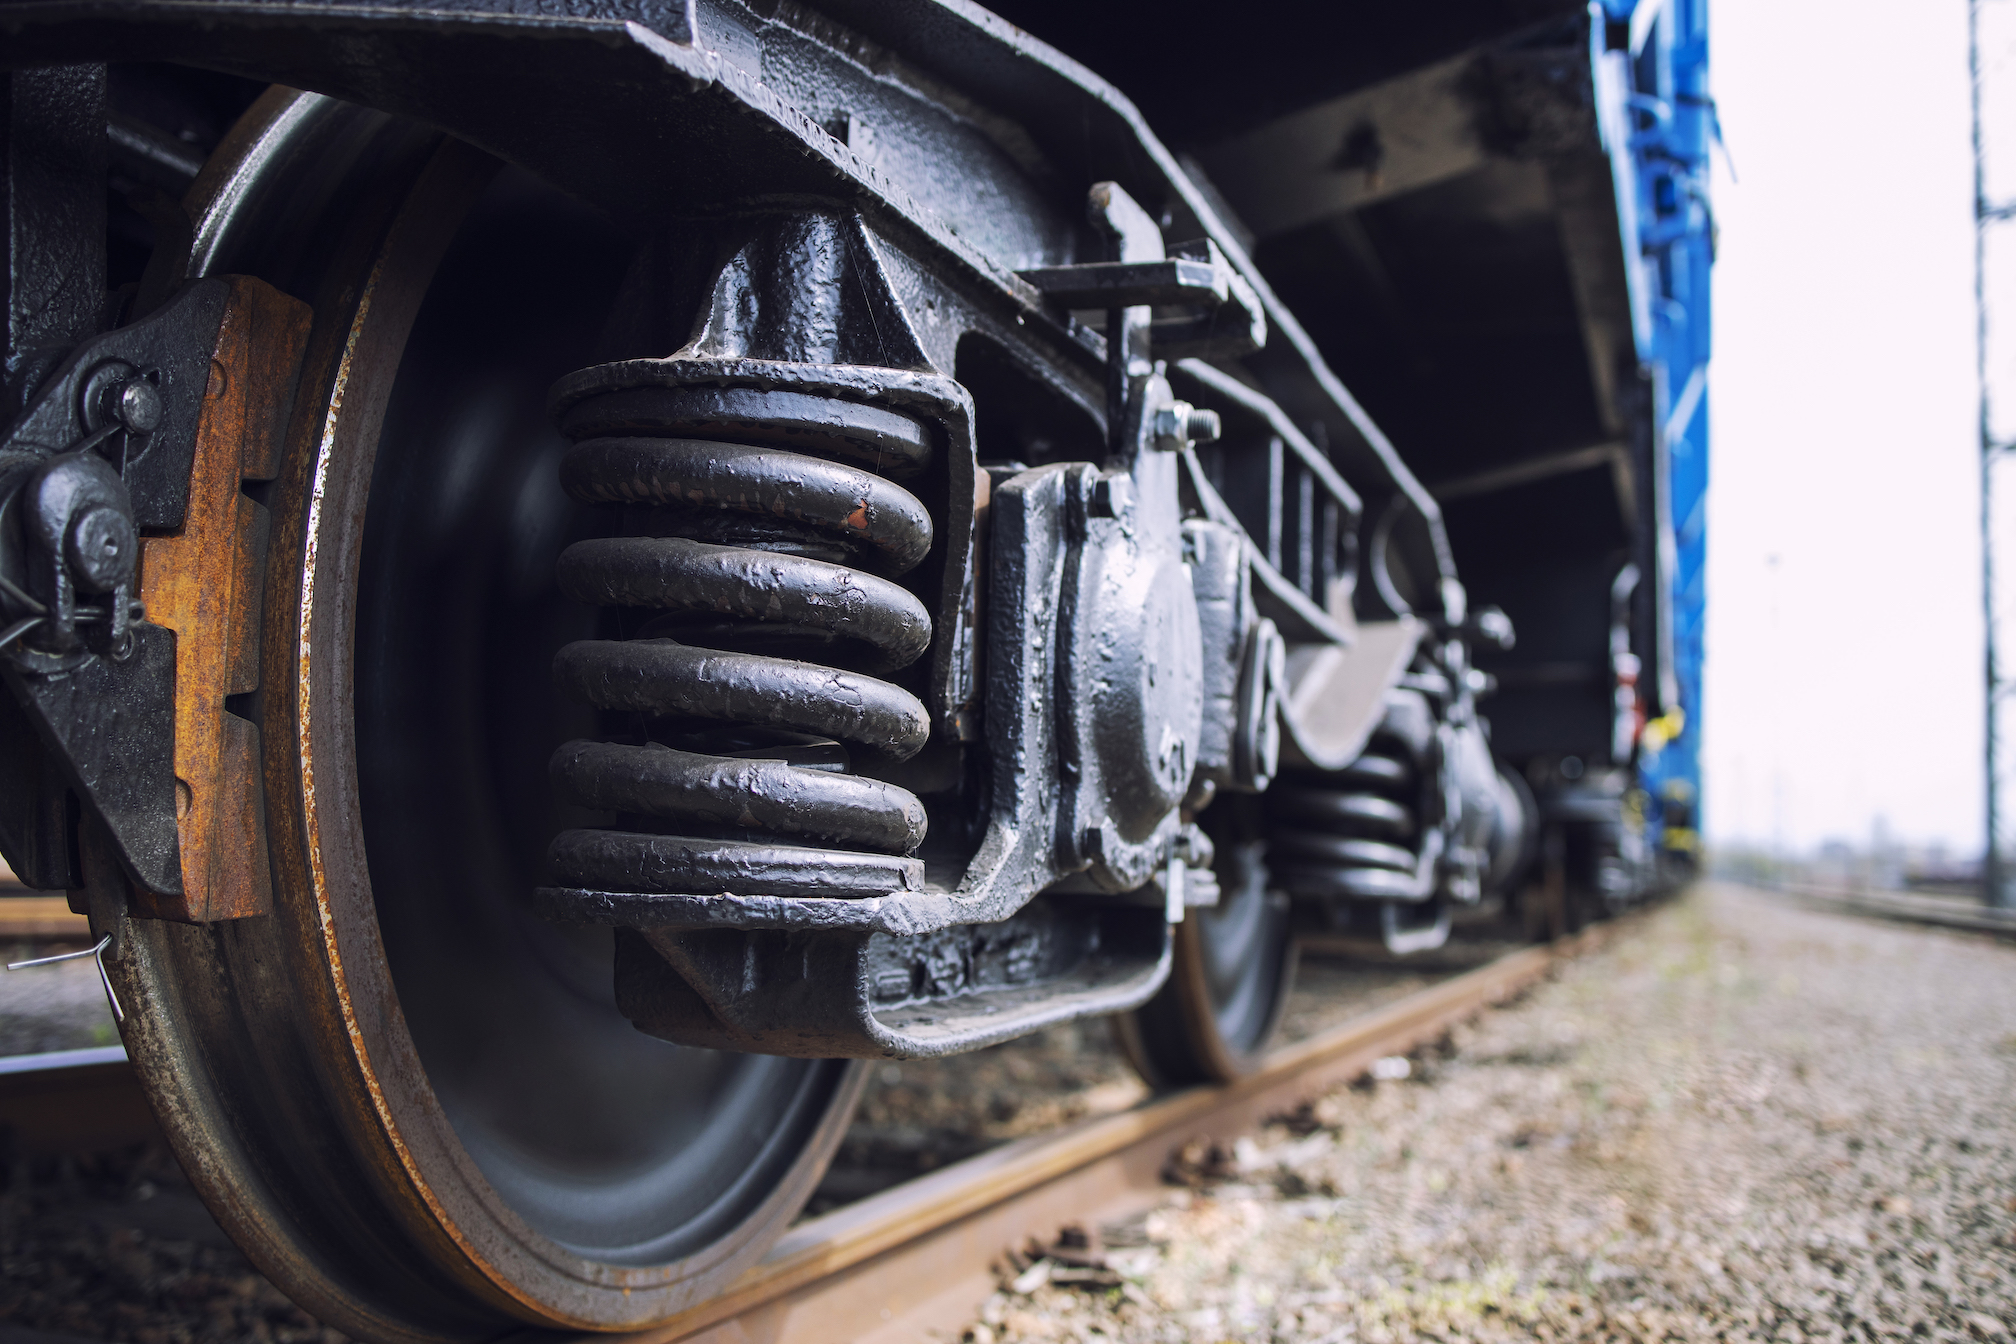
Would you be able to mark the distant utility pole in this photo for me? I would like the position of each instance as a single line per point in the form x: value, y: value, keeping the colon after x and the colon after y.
x: 1991, y: 60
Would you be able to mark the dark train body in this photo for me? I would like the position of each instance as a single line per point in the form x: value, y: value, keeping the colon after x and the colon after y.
x: 890, y: 524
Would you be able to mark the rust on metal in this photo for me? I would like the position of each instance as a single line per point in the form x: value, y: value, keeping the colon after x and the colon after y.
x: 205, y: 583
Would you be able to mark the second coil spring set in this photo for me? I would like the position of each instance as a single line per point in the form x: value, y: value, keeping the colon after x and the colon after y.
x: 764, y: 530
x: 1358, y: 833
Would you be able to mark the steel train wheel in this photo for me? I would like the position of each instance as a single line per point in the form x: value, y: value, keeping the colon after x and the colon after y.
x: 1234, y: 964
x: 414, y: 1105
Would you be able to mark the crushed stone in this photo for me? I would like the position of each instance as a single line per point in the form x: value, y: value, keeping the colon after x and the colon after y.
x: 118, y: 1247
x: 1742, y: 1121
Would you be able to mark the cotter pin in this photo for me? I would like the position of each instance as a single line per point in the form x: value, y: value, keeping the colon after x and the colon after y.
x: 97, y: 953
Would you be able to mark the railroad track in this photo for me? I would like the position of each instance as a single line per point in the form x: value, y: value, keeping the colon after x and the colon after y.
x: 72, y: 1101
x: 1903, y: 907
x: 921, y: 1256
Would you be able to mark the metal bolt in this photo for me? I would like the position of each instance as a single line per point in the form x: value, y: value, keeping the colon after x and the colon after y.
x: 1179, y: 424
x: 101, y: 547
x: 1112, y: 496
x: 135, y: 404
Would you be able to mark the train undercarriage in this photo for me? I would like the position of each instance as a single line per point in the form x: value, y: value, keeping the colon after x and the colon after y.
x: 570, y: 574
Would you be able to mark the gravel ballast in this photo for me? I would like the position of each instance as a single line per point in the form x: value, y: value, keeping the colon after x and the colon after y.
x: 1740, y: 1121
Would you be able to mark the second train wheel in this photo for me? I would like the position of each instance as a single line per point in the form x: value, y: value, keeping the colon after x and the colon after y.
x: 1234, y: 964
x: 414, y: 1104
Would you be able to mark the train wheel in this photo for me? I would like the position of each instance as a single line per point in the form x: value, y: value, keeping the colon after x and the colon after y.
x: 412, y: 1103
x: 1234, y: 965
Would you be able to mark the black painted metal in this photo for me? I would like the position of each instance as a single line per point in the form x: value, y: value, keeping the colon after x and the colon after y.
x: 1116, y: 820
x: 695, y: 102
x: 108, y: 725
x: 134, y: 394
x: 1128, y: 284
x: 102, y: 449
x: 727, y: 793
x: 1234, y: 963
x: 913, y: 996
x: 800, y: 307
x: 1366, y: 832
x: 938, y: 254
x: 52, y: 136
x: 1422, y: 821
x: 752, y: 566
x: 1100, y: 667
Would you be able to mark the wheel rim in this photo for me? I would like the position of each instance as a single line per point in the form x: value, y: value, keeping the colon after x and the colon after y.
x: 416, y: 1106
x: 1232, y: 969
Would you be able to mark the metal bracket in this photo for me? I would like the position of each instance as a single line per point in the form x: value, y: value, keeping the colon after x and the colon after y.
x: 1129, y: 284
x: 103, y: 450
x: 134, y: 396
x: 1203, y: 307
x: 109, y: 724
x: 1226, y: 330
x: 878, y: 995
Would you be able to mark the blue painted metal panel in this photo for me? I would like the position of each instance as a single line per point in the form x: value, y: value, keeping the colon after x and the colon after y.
x: 1674, y: 128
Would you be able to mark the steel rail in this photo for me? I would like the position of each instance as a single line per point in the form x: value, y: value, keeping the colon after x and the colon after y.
x: 921, y: 1257
x: 1902, y: 907
x: 71, y: 1101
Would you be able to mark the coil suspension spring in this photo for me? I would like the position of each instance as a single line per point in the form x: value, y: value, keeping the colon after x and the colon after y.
x: 1362, y: 833
x: 1349, y: 832
x: 1363, y: 838
x: 763, y: 530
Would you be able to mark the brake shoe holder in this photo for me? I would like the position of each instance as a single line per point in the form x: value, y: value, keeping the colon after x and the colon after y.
x: 108, y: 449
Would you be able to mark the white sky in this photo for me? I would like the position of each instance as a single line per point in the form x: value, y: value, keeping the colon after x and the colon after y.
x: 1843, y: 680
